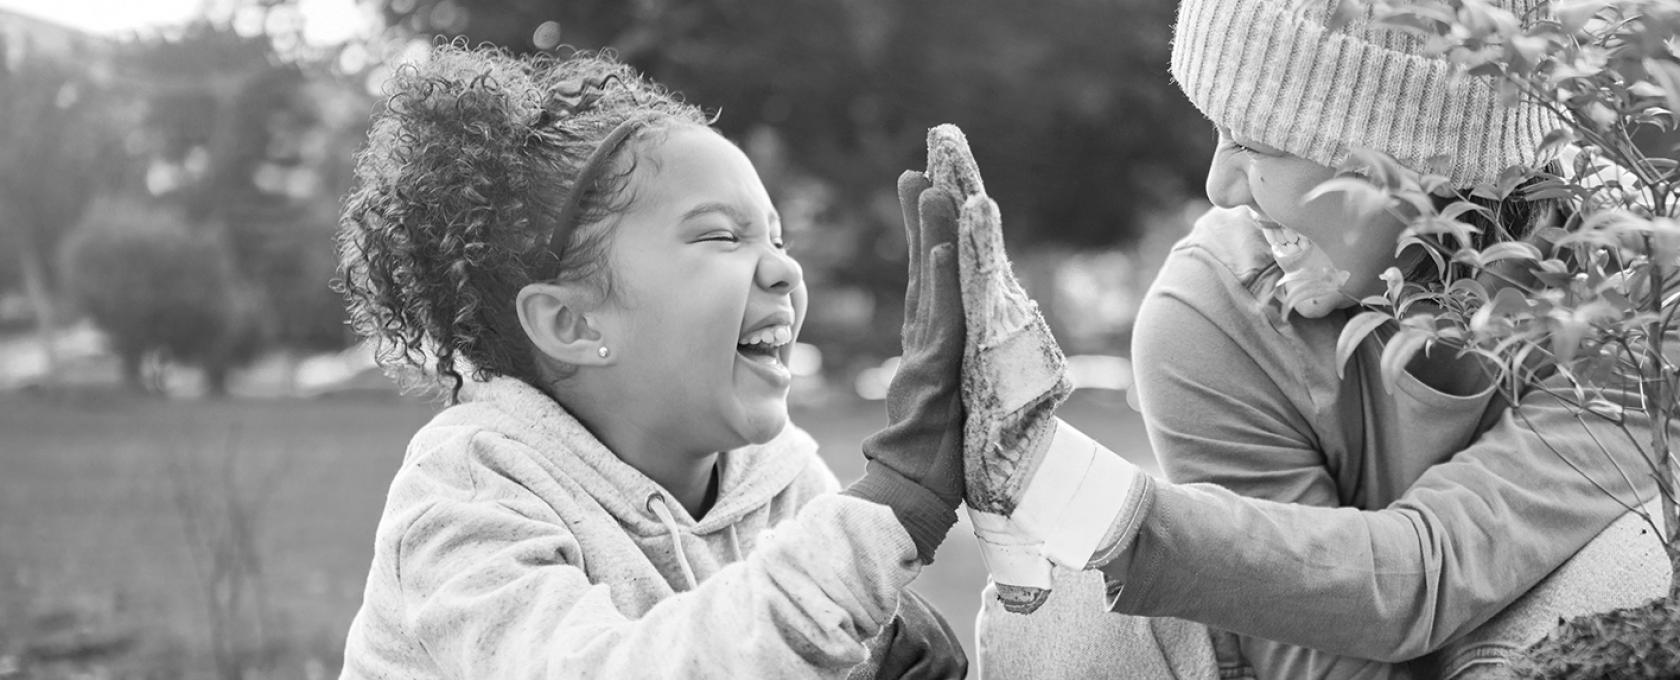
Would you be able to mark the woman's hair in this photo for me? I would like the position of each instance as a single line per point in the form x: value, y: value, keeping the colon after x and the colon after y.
x: 467, y: 168
x: 1515, y: 217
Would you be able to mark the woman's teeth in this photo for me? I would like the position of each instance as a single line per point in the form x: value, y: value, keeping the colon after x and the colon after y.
x: 1286, y: 244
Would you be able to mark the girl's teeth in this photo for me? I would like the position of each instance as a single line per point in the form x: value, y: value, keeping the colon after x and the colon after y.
x: 779, y: 335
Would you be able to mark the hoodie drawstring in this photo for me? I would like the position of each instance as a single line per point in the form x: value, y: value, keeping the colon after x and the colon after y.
x: 735, y: 544
x: 661, y: 510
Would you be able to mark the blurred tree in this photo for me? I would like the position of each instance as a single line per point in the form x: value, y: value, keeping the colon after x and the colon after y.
x: 221, y: 109
x: 1067, y: 103
x: 58, y: 147
x: 253, y: 147
x: 160, y: 288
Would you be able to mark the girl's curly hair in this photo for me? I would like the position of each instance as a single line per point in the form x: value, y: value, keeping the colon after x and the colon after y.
x: 457, y: 192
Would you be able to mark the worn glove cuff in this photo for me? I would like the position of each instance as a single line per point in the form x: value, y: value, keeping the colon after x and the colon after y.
x: 925, y: 516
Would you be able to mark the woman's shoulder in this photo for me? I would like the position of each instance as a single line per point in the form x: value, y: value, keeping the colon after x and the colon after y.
x: 1216, y: 278
x: 1227, y: 241
x: 1222, y: 270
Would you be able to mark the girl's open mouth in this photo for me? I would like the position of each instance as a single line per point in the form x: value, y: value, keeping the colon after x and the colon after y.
x: 766, y: 345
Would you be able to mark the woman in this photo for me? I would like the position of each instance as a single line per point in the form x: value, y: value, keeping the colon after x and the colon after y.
x: 1468, y: 502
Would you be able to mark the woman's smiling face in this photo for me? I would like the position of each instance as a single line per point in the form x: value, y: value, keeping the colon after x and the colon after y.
x: 706, y: 302
x: 1274, y: 185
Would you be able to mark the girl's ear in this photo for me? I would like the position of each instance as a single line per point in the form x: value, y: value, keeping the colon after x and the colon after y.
x: 555, y: 319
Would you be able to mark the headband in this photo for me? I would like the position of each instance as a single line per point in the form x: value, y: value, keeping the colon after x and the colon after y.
x: 566, y: 223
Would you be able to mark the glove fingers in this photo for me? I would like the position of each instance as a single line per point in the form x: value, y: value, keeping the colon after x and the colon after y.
x: 939, y: 227
x: 996, y: 306
x: 938, y: 208
x: 911, y: 184
x: 942, y: 311
x: 1013, y: 367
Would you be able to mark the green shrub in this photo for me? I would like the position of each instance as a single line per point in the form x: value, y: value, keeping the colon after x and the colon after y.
x: 159, y: 287
x: 1632, y: 644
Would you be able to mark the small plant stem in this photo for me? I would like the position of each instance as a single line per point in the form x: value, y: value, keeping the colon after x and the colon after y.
x: 1531, y: 428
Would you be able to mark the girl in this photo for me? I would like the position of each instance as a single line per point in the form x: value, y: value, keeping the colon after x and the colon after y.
x: 616, y: 492
x: 1469, y: 502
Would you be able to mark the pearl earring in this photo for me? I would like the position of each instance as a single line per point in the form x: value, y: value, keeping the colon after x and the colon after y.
x: 603, y: 351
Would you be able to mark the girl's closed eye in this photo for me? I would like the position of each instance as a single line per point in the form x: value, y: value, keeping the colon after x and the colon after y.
x: 719, y: 236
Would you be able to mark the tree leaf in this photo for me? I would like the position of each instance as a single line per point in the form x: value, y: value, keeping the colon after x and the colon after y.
x: 1354, y: 333
x: 1573, y: 15
x: 1509, y: 250
x: 1456, y: 209
x: 1410, y: 239
x: 1567, y: 332
x: 1398, y: 353
x: 1462, y: 232
x: 1553, y: 141
x: 1394, y: 282
x: 1606, y: 409
x: 1510, y: 302
x: 1361, y: 195
x: 1469, y: 289
x: 1666, y: 74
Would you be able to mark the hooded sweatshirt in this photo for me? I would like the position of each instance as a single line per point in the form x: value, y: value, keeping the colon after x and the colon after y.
x: 514, y: 545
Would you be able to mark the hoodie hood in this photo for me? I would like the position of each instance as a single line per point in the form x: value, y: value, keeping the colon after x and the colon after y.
x: 749, y: 478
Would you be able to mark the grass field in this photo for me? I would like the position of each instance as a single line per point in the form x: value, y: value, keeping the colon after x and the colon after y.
x: 149, y: 538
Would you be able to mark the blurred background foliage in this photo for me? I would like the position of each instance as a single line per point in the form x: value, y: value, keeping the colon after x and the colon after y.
x: 242, y: 132
x: 168, y: 198
x: 167, y: 204
x: 1067, y: 104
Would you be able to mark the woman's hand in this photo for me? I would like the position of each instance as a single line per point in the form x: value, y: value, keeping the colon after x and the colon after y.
x: 1038, y: 490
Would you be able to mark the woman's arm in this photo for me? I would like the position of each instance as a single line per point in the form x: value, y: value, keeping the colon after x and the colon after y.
x: 1469, y: 537
x: 1214, y: 415
x: 1465, y: 540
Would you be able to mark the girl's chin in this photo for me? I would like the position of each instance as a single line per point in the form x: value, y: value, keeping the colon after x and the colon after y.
x: 764, y: 422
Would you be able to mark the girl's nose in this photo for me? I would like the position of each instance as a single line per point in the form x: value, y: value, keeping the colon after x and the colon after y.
x: 1227, y: 179
x: 778, y: 272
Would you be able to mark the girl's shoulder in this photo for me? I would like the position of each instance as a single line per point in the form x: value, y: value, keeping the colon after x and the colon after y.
x: 788, y: 464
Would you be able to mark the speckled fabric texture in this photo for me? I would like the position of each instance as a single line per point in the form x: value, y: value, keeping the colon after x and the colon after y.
x: 1074, y: 635
x: 515, y: 545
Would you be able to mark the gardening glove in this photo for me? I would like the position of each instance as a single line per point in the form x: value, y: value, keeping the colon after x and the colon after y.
x: 1038, y: 491
x: 915, y: 462
x: 918, y: 645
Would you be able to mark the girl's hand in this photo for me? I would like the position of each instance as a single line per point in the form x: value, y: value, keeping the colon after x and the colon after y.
x: 915, y: 462
x: 919, y: 645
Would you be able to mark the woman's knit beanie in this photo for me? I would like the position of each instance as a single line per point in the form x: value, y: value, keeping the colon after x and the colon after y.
x: 1281, y: 72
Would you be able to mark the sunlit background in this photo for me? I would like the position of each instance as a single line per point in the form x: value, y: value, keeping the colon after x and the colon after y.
x: 194, y: 451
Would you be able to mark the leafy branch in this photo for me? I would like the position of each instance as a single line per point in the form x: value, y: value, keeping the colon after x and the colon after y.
x: 1586, y: 307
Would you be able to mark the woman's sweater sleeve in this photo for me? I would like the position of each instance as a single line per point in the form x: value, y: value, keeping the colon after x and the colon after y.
x: 1471, y: 535
x: 1214, y: 416
x: 493, y: 593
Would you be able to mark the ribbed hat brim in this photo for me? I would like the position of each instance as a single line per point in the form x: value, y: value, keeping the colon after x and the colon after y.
x: 1278, y: 77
